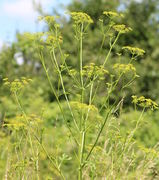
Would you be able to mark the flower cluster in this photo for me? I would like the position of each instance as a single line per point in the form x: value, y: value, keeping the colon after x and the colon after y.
x: 34, y: 36
x: 34, y: 119
x: 77, y: 105
x: 80, y: 18
x: 52, y: 40
x: 134, y: 50
x: 19, y: 121
x: 17, y: 84
x: 15, y: 123
x: 36, y: 39
x: 143, y: 102
x: 44, y: 38
x: 122, y: 28
x: 72, y: 72
x: 93, y: 70
x: 112, y: 14
x: 47, y: 19
x: 150, y: 151
x: 124, y: 68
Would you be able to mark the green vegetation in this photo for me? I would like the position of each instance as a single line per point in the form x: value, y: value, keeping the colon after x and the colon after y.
x: 79, y: 106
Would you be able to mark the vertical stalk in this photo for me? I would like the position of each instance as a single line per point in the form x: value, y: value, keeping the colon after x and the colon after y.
x: 102, y: 44
x: 84, y: 128
x: 54, y: 92
x: 29, y: 129
x: 114, y: 86
x: 81, y: 56
x: 136, y: 126
x: 52, y: 159
x: 111, y: 47
x: 63, y: 88
x: 97, y: 138
x: 82, y: 134
x: 25, y: 117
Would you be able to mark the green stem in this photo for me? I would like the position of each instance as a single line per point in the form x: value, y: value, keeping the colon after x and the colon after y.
x: 102, y: 44
x: 49, y: 80
x: 81, y: 56
x: 129, y: 138
x: 111, y: 47
x: 50, y: 158
x: 114, y: 86
x: 90, y: 102
x: 107, y: 56
x: 63, y: 87
x: 25, y: 117
x: 82, y: 134
x: 84, y: 128
x: 29, y: 129
x: 137, y: 124
x: 98, y: 136
x: 54, y: 92
x: 64, y: 62
x: 107, y: 98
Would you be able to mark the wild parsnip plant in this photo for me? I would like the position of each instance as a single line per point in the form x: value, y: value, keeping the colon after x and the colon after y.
x: 98, y: 148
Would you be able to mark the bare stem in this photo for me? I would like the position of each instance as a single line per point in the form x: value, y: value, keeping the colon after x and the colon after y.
x: 63, y: 87
x: 82, y: 134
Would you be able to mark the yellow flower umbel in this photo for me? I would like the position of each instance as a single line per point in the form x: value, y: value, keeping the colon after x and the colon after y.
x: 53, y: 41
x: 16, y: 85
x: 81, y: 18
x: 34, y: 36
x: 36, y: 39
x: 143, y: 102
x: 77, y: 105
x: 15, y: 123
x: 47, y: 19
x: 92, y: 70
x: 72, y: 72
x: 112, y: 14
x: 122, y: 28
x: 50, y: 21
x: 124, y: 68
x: 134, y: 50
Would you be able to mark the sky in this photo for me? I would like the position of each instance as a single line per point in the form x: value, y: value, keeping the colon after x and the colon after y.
x: 19, y: 15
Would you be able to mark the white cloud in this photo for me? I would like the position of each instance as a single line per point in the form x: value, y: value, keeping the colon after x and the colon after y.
x: 23, y: 8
